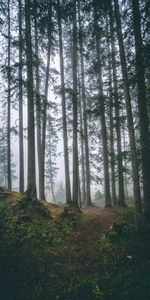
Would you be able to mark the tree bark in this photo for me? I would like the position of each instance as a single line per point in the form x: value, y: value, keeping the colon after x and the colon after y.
x: 31, y: 188
x: 121, y: 200
x: 143, y: 111
x: 64, y: 118
x: 44, y: 116
x: 87, y: 162
x: 112, y: 152
x: 135, y: 174
x: 9, y: 106
x: 21, y: 147
x: 38, y: 101
x: 75, y: 105
x: 102, y: 115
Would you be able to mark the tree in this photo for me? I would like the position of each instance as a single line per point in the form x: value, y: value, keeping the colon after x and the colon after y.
x: 21, y: 149
x: 44, y: 115
x: 31, y: 188
x: 63, y: 98
x: 121, y: 200
x: 102, y: 111
x: 142, y: 104
x: 84, y: 104
x: 135, y: 174
x: 8, y: 104
x: 75, y: 110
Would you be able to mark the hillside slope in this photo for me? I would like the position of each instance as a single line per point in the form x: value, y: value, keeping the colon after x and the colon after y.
x: 56, y: 252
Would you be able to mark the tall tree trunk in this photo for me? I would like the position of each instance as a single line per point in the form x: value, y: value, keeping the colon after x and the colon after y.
x: 8, y: 106
x: 82, y: 159
x: 38, y: 101
x: 63, y: 99
x: 143, y: 111
x: 87, y: 163
x: 112, y: 152
x: 102, y: 115
x: 75, y: 105
x: 135, y: 174
x: 42, y: 192
x: 121, y: 200
x: 31, y: 188
x: 21, y: 147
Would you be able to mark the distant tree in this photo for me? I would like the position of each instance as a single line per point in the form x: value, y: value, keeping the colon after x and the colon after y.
x: 60, y: 194
x: 51, y: 155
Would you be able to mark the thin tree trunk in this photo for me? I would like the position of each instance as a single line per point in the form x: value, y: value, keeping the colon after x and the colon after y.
x: 42, y: 195
x: 87, y: 163
x: 112, y: 152
x: 143, y: 111
x: 83, y: 192
x: 135, y: 174
x: 102, y: 116
x: 75, y: 115
x: 21, y: 147
x: 121, y: 200
x: 31, y: 189
x: 38, y: 102
x: 9, y: 106
x: 64, y: 118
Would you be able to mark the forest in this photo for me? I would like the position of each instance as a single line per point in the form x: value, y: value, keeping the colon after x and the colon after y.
x: 74, y: 149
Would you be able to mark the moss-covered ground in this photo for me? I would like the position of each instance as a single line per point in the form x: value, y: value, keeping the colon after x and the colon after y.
x: 50, y: 252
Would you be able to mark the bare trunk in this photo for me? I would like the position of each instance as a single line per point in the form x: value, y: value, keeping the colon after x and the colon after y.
x: 31, y: 189
x: 83, y: 192
x: 65, y: 135
x: 75, y: 115
x: 102, y: 117
x: 135, y: 174
x: 121, y: 200
x: 8, y: 107
x: 143, y: 111
x: 21, y: 148
x: 112, y: 152
x: 87, y: 163
x: 42, y: 195
x: 38, y: 103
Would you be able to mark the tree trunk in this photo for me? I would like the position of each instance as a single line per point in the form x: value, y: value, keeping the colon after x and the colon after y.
x: 64, y: 118
x: 143, y: 111
x: 8, y: 106
x: 42, y: 194
x: 102, y: 116
x: 135, y: 174
x: 121, y: 200
x: 75, y: 105
x: 82, y: 158
x: 112, y: 152
x: 87, y: 163
x: 31, y: 189
x: 21, y: 147
x: 38, y: 102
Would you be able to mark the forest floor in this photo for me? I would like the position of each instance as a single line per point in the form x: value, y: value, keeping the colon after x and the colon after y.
x: 55, y: 252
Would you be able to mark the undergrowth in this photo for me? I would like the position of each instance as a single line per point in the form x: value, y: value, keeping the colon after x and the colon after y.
x: 39, y: 259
